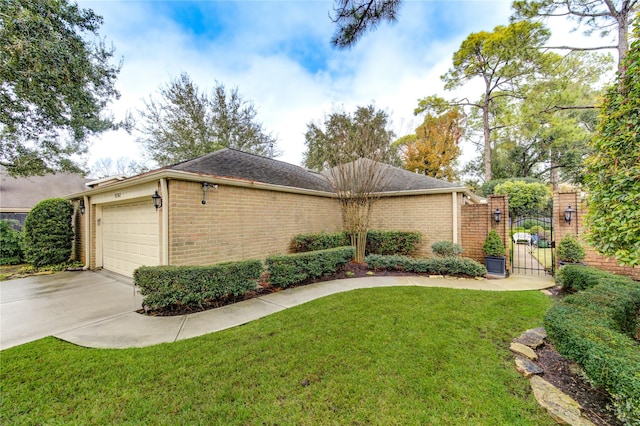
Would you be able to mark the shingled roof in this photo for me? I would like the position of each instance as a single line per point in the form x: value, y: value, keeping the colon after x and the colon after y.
x: 234, y: 164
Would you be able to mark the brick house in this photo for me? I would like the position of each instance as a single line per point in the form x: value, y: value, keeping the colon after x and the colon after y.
x: 230, y: 205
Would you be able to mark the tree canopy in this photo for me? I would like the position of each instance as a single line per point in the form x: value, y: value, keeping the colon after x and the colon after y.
x: 344, y: 137
x: 434, y: 149
x: 55, y: 83
x: 613, y: 169
x: 601, y: 16
x: 354, y: 18
x: 184, y: 123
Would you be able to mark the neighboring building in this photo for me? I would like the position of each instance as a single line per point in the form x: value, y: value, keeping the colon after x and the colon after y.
x: 19, y: 195
x: 230, y: 205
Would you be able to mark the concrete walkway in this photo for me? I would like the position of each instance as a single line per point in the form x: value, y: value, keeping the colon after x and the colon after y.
x: 135, y: 330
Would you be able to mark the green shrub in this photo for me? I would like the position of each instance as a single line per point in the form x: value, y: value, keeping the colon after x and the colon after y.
x: 530, y: 223
x: 446, y: 249
x: 195, y: 286
x: 493, y: 245
x: 524, y: 197
x: 595, y: 328
x: 488, y: 187
x: 11, y: 242
x: 392, y: 242
x: 48, y: 233
x: 322, y: 241
x: 570, y: 250
x: 432, y: 266
x: 578, y: 277
x: 378, y: 242
x: 290, y: 269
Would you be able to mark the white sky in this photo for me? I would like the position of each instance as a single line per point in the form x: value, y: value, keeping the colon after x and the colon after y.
x: 278, y: 55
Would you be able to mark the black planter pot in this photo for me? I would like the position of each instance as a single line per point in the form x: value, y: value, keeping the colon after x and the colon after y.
x: 496, y: 265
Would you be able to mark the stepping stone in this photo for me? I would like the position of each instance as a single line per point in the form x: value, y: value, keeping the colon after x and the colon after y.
x: 526, y: 367
x: 523, y: 350
x: 532, y: 338
x: 560, y: 406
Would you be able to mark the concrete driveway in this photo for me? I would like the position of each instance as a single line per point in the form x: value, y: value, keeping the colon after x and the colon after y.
x: 39, y: 306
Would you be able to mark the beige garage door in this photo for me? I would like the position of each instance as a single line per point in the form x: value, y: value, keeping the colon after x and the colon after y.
x: 130, y: 237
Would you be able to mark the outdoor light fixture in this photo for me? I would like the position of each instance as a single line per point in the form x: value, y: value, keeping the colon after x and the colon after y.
x: 568, y: 214
x: 81, y: 206
x: 497, y: 215
x: 157, y: 200
x: 205, y: 188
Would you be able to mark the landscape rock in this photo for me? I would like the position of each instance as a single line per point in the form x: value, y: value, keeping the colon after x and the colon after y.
x: 532, y: 338
x: 526, y: 367
x: 561, y: 407
x: 523, y: 350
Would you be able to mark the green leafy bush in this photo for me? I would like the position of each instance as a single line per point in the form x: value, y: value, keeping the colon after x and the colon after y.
x: 11, y: 242
x: 578, y: 277
x: 595, y: 328
x: 392, y: 242
x: 446, y: 249
x: 48, y: 233
x: 493, y: 245
x: 321, y: 241
x: 570, y: 250
x: 432, y: 266
x: 195, y: 286
x: 524, y: 197
x: 530, y: 223
x: 378, y: 242
x: 488, y: 187
x: 290, y: 269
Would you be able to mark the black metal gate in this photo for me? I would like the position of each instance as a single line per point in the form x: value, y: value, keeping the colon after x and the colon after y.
x: 532, y: 242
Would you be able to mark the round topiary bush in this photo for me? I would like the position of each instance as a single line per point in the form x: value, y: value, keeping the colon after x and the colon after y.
x: 570, y: 250
x: 493, y: 245
x: 10, y: 243
x: 48, y: 233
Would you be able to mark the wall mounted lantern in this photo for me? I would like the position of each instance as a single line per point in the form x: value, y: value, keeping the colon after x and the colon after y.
x: 205, y: 188
x: 497, y: 215
x: 157, y: 200
x: 569, y: 214
x: 81, y: 206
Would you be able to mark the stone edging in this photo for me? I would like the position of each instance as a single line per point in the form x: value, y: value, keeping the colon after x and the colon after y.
x: 561, y: 407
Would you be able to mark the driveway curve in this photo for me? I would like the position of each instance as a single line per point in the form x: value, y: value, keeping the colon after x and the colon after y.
x: 98, y: 310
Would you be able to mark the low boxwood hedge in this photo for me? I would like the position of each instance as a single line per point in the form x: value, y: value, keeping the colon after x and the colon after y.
x: 290, y: 269
x: 194, y: 286
x: 378, y: 242
x: 578, y: 277
x: 596, y: 328
x: 431, y: 266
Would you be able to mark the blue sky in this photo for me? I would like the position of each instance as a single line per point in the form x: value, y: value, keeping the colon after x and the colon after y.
x: 278, y: 55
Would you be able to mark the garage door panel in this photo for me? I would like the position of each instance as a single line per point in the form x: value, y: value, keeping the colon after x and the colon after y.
x: 130, y: 236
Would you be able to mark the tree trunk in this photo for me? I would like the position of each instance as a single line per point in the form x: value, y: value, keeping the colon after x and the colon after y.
x: 487, y: 140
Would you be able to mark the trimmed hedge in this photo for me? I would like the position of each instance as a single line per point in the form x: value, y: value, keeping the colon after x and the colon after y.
x: 378, y: 242
x: 446, y: 249
x: 195, y: 286
x: 578, y: 277
x: 48, y: 233
x: 595, y: 328
x: 290, y: 269
x: 431, y: 266
x: 11, y: 242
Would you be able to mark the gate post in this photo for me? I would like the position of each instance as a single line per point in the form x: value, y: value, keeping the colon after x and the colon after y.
x: 501, y: 202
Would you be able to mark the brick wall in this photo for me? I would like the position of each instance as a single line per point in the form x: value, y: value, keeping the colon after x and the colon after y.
x: 477, y: 222
x: 80, y: 238
x: 561, y: 201
x: 431, y: 215
x: 241, y: 223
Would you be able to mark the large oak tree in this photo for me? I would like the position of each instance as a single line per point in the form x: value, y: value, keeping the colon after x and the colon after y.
x: 56, y: 79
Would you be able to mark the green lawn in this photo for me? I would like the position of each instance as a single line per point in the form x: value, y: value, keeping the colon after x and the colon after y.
x: 543, y: 255
x: 386, y: 356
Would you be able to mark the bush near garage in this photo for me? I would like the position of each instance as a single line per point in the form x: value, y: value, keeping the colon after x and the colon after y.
x: 48, y: 233
x: 598, y: 328
x: 11, y: 242
x: 165, y: 287
x: 378, y: 242
x: 290, y: 269
x: 432, y: 266
x: 446, y: 249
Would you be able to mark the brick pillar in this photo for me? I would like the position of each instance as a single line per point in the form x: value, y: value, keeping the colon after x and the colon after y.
x: 500, y: 202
